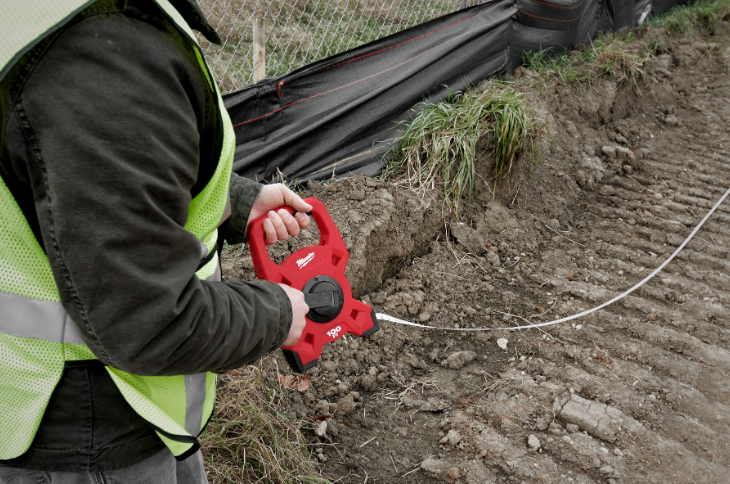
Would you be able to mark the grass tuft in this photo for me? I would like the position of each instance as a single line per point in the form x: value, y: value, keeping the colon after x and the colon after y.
x: 683, y: 19
x: 251, y: 440
x: 439, y: 147
x: 610, y: 54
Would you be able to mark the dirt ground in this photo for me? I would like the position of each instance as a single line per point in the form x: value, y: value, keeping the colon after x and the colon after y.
x: 636, y: 393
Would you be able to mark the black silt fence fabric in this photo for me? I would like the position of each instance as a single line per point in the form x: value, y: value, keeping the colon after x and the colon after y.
x: 342, y: 114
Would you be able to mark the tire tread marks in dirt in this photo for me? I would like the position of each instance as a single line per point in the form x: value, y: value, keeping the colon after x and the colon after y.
x: 637, y: 392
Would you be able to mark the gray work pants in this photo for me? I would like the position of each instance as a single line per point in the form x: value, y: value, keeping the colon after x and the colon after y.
x: 161, y: 468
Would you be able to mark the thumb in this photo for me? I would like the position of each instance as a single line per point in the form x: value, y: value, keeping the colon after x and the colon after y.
x: 295, y: 201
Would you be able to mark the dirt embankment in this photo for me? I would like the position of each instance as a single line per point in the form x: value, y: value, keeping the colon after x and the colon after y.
x: 635, y: 393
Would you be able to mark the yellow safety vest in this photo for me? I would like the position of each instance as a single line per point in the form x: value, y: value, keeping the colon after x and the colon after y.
x: 37, y: 336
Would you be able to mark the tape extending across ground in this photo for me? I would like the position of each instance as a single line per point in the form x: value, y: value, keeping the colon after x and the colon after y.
x: 635, y: 393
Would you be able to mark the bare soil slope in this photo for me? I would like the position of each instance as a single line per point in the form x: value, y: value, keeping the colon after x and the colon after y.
x: 637, y: 393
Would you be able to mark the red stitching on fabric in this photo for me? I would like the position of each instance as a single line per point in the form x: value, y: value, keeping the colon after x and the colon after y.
x: 376, y: 74
x: 550, y: 19
x: 558, y: 6
x: 387, y: 48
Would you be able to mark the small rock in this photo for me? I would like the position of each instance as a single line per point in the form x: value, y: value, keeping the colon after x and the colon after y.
x: 454, y: 473
x: 332, y: 428
x: 434, y: 354
x: 469, y: 238
x: 651, y: 317
x: 322, y: 457
x: 598, y: 419
x: 452, y: 438
x: 369, y: 382
x: 572, y: 428
x: 322, y: 407
x: 459, y: 359
x: 624, y: 154
x: 502, y: 343
x: 671, y: 120
x: 433, y: 404
x: 321, y: 428
x: 356, y: 195
x: 606, y: 470
x: 607, y: 190
x: 609, y: 151
x: 493, y: 259
x: 433, y: 465
x: 585, y: 180
x: 347, y: 404
x: 533, y: 442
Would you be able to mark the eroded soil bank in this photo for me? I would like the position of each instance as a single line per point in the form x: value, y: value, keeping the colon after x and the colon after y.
x: 635, y: 393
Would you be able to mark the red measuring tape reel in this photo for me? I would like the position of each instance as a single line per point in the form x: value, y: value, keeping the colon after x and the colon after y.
x: 319, y: 272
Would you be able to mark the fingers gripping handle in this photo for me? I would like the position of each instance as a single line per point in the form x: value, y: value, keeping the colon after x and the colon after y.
x: 267, y: 269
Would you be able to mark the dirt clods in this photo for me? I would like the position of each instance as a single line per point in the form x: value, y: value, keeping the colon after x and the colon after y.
x: 634, y: 393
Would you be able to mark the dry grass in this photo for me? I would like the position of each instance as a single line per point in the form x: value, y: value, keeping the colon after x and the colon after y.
x: 439, y: 147
x: 251, y: 439
x: 611, y: 54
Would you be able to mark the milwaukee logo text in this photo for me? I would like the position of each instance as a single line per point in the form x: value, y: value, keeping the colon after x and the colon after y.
x: 305, y: 260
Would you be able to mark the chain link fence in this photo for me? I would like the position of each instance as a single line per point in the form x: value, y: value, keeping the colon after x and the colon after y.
x: 300, y: 32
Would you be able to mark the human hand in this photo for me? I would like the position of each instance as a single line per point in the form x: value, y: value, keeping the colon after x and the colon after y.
x: 299, y: 310
x: 280, y: 225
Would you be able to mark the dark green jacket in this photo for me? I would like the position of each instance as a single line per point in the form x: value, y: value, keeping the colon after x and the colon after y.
x: 107, y: 133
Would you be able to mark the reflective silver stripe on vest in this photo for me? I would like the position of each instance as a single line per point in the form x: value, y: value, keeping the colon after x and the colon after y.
x: 35, y: 318
x: 194, y: 401
x: 203, y: 249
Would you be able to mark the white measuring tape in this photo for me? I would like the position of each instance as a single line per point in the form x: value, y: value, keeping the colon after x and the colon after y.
x: 385, y: 317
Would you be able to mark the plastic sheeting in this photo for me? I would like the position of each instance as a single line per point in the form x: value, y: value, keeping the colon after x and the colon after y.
x: 342, y: 114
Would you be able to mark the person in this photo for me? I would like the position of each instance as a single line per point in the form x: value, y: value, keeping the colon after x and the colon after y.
x: 116, y: 193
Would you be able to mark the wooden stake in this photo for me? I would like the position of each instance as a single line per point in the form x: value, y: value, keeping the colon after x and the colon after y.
x: 259, y: 49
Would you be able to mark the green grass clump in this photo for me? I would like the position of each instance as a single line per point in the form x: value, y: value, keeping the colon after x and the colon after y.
x: 250, y: 439
x: 703, y: 14
x: 439, y: 146
x: 610, y: 54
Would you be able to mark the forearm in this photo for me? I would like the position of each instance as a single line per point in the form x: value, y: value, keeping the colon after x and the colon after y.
x: 243, y: 192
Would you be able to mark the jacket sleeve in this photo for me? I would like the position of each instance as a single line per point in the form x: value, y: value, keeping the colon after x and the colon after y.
x: 108, y: 128
x: 243, y: 192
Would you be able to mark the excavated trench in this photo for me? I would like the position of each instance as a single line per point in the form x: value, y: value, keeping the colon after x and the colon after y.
x: 637, y: 392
